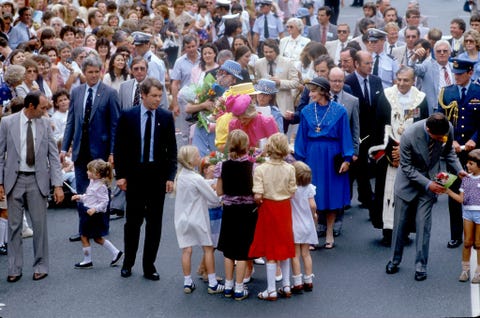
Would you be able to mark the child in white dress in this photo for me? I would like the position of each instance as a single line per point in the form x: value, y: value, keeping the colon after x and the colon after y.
x: 192, y: 222
x: 303, y: 219
x: 93, y: 219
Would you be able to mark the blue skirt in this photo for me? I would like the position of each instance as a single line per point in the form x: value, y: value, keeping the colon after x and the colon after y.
x: 94, y: 226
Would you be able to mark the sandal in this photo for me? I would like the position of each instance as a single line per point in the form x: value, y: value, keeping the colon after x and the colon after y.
x: 268, y: 295
x: 285, y: 292
x: 188, y: 289
x: 329, y: 245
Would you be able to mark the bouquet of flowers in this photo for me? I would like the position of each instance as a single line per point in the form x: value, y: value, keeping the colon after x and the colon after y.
x: 216, y: 157
x: 198, y: 94
x: 256, y: 155
x: 445, y: 179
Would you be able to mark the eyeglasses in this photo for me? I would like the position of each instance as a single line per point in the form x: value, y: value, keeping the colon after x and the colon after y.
x: 139, y: 68
x: 469, y: 41
x: 441, y: 51
x: 342, y: 31
x: 82, y: 56
x: 289, y: 27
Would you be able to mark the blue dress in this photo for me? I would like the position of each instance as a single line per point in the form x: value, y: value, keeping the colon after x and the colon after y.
x: 318, y: 149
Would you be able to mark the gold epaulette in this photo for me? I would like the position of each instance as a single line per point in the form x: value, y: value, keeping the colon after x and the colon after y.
x: 451, y: 110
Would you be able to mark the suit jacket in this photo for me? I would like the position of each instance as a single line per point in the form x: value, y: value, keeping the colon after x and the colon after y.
x: 315, y: 33
x: 416, y: 168
x: 128, y: 144
x: 102, y: 124
x: 350, y: 103
x: 367, y: 113
x: 460, y: 50
x: 359, y: 40
x: 468, y: 122
x: 332, y: 47
x: 287, y: 73
x: 400, y: 55
x: 429, y: 74
x: 126, y: 92
x: 47, y: 163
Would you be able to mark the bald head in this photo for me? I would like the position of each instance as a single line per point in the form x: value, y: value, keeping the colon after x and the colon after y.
x: 336, y: 77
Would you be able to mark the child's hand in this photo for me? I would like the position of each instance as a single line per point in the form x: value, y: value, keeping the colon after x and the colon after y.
x: 258, y: 197
x: 91, y: 211
x: 75, y: 197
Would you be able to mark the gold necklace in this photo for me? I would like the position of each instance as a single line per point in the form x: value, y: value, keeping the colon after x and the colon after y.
x: 318, y: 129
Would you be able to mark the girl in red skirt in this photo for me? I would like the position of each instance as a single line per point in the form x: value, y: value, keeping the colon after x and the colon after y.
x: 273, y: 186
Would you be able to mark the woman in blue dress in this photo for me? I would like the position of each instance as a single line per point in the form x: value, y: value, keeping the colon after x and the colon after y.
x: 324, y: 142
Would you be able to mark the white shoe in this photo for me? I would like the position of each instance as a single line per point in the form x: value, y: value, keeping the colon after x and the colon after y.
x: 27, y: 232
x: 279, y: 278
x: 259, y: 261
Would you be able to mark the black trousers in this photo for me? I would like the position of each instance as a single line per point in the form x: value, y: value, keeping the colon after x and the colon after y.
x: 145, y: 197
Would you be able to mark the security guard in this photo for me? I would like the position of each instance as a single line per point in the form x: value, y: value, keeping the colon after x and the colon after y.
x: 384, y: 66
x: 267, y: 26
x: 461, y: 104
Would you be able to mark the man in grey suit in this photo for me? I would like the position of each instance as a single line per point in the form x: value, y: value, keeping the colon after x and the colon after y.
x: 129, y: 93
x: 336, y: 78
x: 421, y: 147
x: 323, y: 31
x: 433, y: 73
x: 26, y: 173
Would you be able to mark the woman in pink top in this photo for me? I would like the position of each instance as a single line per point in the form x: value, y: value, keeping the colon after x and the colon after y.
x: 247, y: 119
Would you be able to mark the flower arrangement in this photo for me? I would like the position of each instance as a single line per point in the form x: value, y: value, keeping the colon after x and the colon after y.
x: 215, y: 157
x: 256, y: 155
x: 445, y: 179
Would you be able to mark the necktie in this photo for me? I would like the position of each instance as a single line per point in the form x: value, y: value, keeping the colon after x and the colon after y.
x: 447, y: 78
x: 86, y: 115
x: 366, y: 95
x: 136, y: 96
x: 375, y: 65
x: 147, y: 137
x: 335, y: 98
x: 266, y: 33
x: 464, y: 92
x: 342, y: 46
x: 28, y: 32
x: 324, y: 34
x: 270, y: 68
x: 431, y: 145
x: 30, y: 159
x: 391, y: 49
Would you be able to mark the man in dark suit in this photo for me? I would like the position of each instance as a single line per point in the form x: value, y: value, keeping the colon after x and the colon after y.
x: 421, y: 147
x: 26, y: 174
x: 145, y: 163
x: 461, y: 104
x: 358, y: 81
x: 91, y: 123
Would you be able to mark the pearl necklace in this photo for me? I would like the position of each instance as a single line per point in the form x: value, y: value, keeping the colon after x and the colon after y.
x: 318, y: 128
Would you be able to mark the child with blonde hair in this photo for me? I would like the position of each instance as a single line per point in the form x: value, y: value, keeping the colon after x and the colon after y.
x: 273, y: 186
x: 470, y: 198
x: 192, y: 222
x: 94, y: 221
x: 235, y: 183
x: 303, y: 218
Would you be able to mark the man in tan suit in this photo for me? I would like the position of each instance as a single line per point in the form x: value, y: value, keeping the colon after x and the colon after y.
x: 282, y: 71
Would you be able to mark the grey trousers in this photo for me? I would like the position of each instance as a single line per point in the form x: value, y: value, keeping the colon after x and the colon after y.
x: 26, y: 195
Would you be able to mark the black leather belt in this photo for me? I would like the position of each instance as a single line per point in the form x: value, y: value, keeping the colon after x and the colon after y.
x: 26, y: 173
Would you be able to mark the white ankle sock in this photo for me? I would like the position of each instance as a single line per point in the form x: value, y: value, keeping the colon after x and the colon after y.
x: 285, y: 266
x: 3, y: 231
x: 297, y: 280
x: 109, y: 246
x: 87, y: 255
x: 238, y: 287
x: 308, y: 278
x: 228, y: 284
x: 212, y: 280
x: 271, y: 270
x: 187, y: 280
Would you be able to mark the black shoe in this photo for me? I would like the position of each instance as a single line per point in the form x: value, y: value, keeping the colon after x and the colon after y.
x: 391, y: 268
x: 116, y: 259
x: 386, y: 241
x: 13, y: 279
x: 152, y: 276
x: 337, y: 233
x: 3, y: 250
x: 116, y: 214
x: 74, y: 238
x: 454, y: 243
x: 126, y: 272
x: 84, y: 266
x: 419, y: 276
